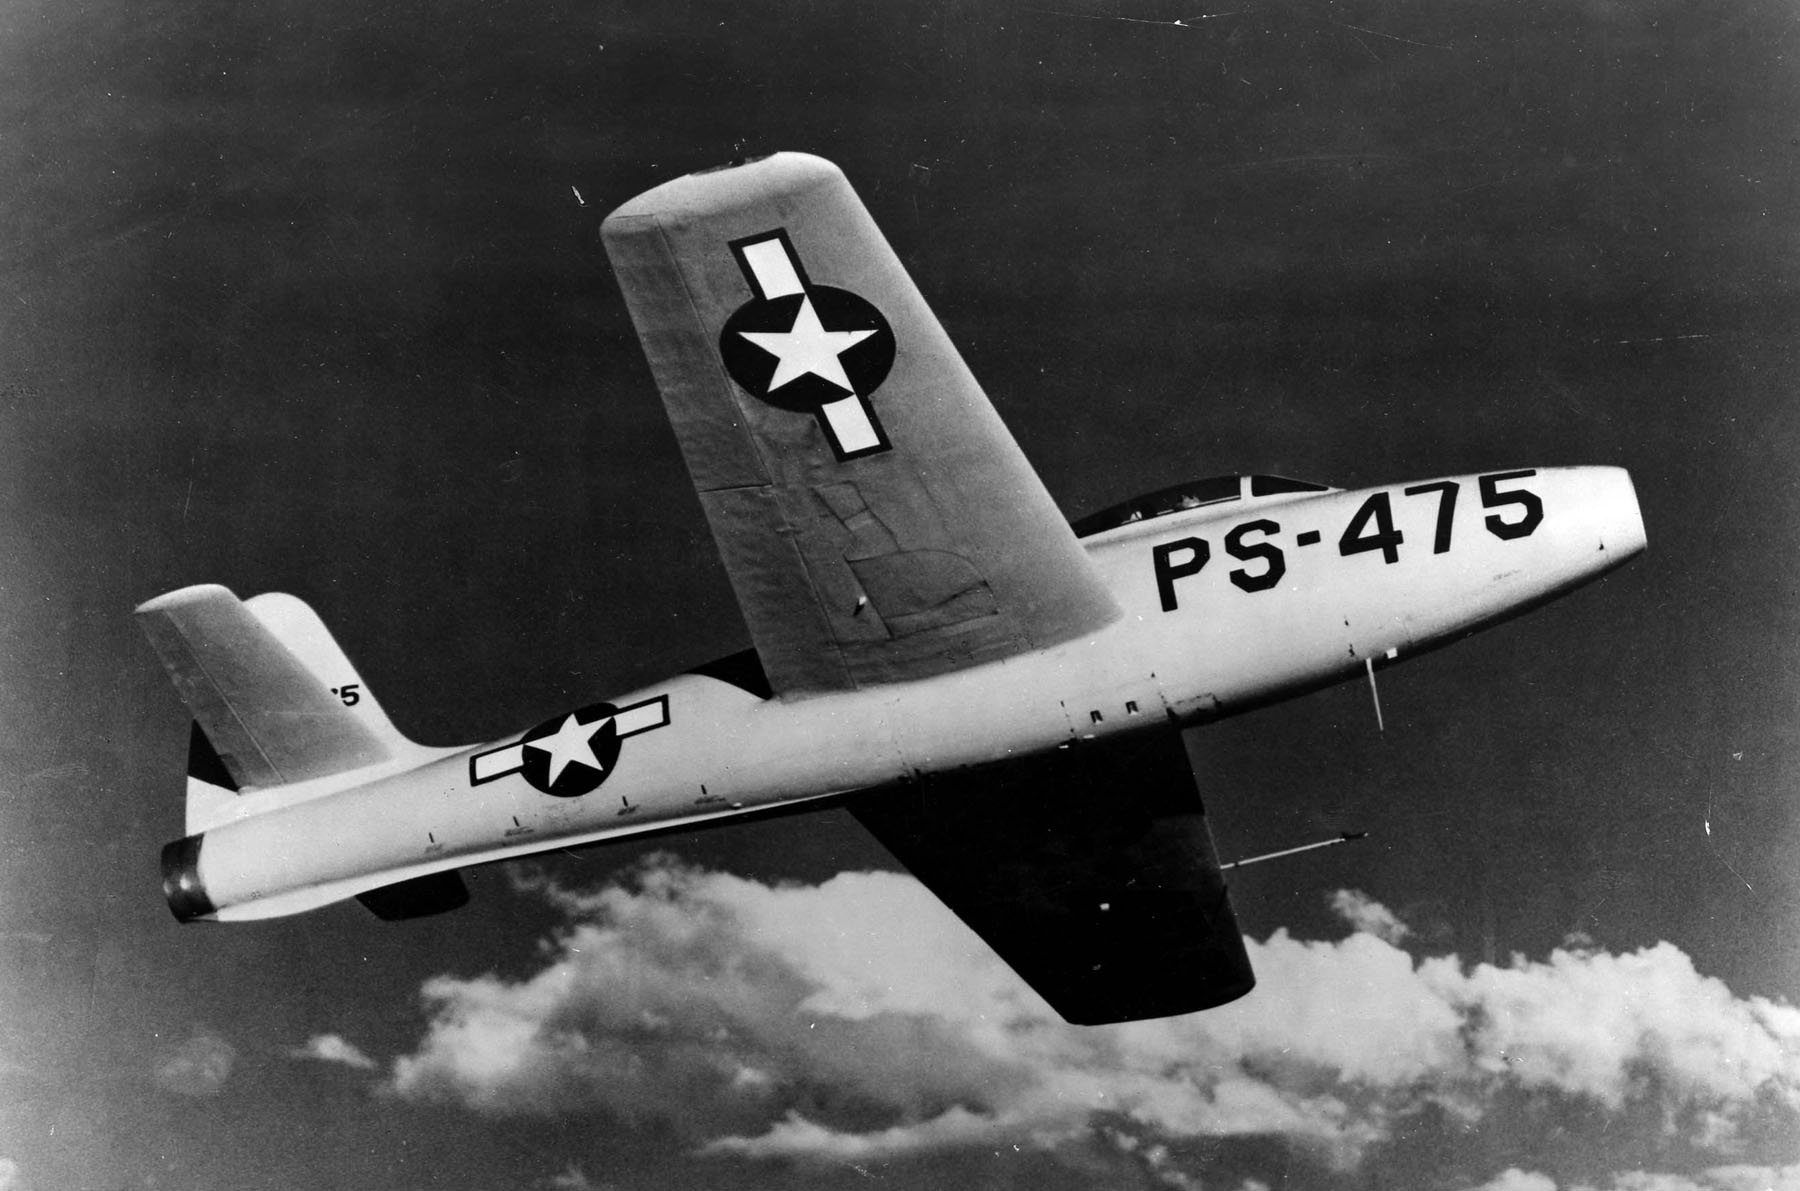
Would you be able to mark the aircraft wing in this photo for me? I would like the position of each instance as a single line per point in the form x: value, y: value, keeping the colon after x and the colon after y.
x: 877, y: 520
x: 1091, y: 871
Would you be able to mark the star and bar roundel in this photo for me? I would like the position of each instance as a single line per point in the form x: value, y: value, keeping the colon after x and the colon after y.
x: 572, y: 754
x: 808, y: 348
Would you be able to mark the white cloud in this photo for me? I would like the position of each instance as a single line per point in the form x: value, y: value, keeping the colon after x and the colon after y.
x: 1364, y: 913
x: 1595, y: 1024
x: 10, y: 1179
x: 332, y: 1048
x: 1755, y: 1178
x: 795, y: 1136
x: 573, y: 1178
x: 198, y: 1067
x: 1161, y: 1163
x: 704, y: 993
x: 1716, y: 1178
x: 859, y: 1019
x: 1514, y: 1179
x: 1646, y: 1180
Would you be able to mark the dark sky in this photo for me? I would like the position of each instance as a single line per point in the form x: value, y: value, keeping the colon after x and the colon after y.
x: 300, y: 297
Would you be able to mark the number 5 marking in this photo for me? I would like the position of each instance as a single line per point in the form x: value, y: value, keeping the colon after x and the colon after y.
x: 1446, y: 490
x: 1493, y: 498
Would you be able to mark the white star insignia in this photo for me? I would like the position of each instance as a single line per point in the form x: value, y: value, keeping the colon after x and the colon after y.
x: 569, y: 744
x: 807, y: 348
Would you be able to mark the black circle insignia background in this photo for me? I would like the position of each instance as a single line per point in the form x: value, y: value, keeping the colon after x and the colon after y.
x: 577, y: 778
x: 866, y: 364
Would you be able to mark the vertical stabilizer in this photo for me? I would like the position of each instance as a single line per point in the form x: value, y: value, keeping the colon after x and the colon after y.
x: 266, y: 716
x: 298, y: 627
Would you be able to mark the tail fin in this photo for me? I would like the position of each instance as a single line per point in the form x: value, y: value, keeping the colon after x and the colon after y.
x: 299, y: 628
x: 273, y: 697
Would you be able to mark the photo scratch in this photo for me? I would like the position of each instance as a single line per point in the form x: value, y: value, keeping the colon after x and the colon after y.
x: 1706, y: 822
x: 1182, y: 23
x: 1659, y: 339
x: 1429, y: 45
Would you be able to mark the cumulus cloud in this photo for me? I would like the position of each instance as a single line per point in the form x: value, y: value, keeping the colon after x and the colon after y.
x: 198, y: 1067
x: 1364, y: 913
x: 1514, y: 1179
x: 1717, y: 1178
x: 332, y: 1048
x: 1754, y: 1178
x: 795, y: 1135
x: 573, y: 1178
x: 1598, y: 1025
x: 859, y: 1020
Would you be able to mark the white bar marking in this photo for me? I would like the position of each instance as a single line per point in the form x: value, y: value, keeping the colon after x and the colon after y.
x: 851, y: 425
x: 642, y: 718
x: 501, y: 761
x: 768, y: 259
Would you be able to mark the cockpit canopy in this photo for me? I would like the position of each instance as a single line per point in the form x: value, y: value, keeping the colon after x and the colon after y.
x: 1192, y: 495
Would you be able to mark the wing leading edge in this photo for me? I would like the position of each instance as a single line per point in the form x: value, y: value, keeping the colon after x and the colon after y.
x: 1090, y: 871
x: 877, y: 520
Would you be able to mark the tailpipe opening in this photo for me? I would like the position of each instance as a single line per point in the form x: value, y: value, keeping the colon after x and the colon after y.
x: 182, y: 886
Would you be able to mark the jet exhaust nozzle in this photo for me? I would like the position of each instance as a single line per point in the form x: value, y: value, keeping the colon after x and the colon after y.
x: 182, y: 886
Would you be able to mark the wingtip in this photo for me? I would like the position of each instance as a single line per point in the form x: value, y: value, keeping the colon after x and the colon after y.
x: 183, y: 597
x: 722, y: 187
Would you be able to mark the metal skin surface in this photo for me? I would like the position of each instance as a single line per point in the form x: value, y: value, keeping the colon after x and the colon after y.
x: 1196, y: 642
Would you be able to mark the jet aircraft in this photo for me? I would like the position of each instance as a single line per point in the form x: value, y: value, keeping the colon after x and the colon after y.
x: 997, y: 694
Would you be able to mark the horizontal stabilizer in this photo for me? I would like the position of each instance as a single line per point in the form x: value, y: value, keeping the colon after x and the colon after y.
x: 1090, y: 871
x: 420, y: 897
x: 270, y: 720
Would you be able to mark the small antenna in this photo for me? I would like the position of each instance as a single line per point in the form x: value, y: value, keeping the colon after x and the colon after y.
x: 1374, y: 693
x: 1343, y: 837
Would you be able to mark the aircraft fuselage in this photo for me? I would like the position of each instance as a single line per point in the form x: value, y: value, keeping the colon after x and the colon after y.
x: 1226, y: 607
